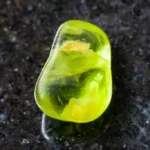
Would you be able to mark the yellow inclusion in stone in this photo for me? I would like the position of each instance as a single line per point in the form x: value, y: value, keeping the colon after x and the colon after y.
x: 75, y: 84
x: 75, y: 46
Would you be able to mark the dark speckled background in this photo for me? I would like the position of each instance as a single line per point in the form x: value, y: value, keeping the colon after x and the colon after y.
x: 27, y: 29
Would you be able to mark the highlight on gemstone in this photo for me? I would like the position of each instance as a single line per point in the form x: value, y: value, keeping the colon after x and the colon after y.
x: 75, y: 84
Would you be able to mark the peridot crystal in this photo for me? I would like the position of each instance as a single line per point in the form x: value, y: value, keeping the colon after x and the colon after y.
x: 75, y: 84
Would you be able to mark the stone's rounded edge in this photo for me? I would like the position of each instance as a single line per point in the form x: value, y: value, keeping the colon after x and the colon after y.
x: 42, y: 107
x: 35, y: 92
x: 87, y: 26
x: 83, y: 25
x: 55, y: 46
x: 63, y: 118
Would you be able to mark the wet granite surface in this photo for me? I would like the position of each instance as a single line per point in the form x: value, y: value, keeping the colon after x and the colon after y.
x: 27, y: 29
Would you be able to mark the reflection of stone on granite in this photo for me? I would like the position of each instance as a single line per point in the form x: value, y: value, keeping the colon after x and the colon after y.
x: 68, y: 134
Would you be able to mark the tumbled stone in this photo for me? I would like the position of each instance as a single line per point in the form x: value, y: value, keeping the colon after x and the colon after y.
x: 75, y: 84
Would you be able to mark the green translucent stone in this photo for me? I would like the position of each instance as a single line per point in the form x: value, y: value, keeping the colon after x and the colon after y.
x: 75, y: 84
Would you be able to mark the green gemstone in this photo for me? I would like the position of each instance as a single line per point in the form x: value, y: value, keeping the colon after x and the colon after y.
x: 75, y: 84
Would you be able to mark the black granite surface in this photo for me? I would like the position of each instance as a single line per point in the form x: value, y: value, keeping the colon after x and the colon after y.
x: 27, y: 29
